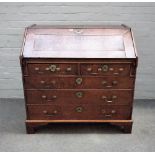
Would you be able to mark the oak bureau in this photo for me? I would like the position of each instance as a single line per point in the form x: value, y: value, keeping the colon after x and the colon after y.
x: 78, y: 74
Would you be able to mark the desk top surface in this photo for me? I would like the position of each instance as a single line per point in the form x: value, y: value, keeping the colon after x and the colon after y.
x: 78, y: 42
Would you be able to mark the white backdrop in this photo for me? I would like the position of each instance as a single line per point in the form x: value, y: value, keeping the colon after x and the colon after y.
x: 15, y: 16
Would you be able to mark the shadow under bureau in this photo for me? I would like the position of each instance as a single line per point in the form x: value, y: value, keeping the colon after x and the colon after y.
x: 78, y: 74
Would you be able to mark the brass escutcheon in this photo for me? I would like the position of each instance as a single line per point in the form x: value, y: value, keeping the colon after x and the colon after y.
x: 79, y: 94
x: 52, y: 68
x: 50, y: 114
x: 109, y: 100
x: 105, y: 68
x: 79, y: 109
x: 79, y: 81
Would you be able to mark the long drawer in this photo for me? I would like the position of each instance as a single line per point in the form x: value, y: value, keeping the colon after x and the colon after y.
x: 50, y: 82
x: 76, y: 97
x: 78, y: 112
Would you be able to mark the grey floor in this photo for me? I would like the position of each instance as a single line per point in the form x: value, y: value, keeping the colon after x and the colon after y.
x: 76, y: 137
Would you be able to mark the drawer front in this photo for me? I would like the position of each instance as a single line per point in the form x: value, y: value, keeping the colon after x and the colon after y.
x: 51, y: 82
x: 80, y: 112
x: 76, y: 97
x: 116, y: 112
x: 44, y: 112
x: 108, y: 69
x: 52, y: 69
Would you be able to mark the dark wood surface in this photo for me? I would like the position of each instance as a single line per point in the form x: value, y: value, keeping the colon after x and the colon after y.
x: 78, y: 75
x: 95, y: 97
x: 70, y: 83
x: 78, y: 112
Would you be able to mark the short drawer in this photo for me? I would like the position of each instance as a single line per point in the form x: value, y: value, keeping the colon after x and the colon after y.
x: 76, y: 97
x: 112, y: 69
x: 79, y: 112
x: 51, y: 82
x: 52, y: 69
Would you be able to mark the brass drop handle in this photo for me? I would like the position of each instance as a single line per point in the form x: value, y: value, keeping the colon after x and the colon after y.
x: 109, y: 86
x: 79, y: 81
x: 53, y: 97
x: 108, y: 114
x: 116, y: 73
x: 79, y: 94
x: 79, y: 109
x: 47, y: 85
x: 45, y: 97
x: 109, y: 100
x: 45, y: 112
x: 44, y: 83
x: 112, y: 111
